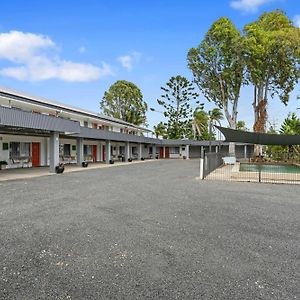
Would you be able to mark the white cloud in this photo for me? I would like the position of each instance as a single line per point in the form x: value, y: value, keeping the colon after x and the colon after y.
x: 82, y: 49
x: 248, y: 5
x: 35, y: 58
x: 296, y: 20
x: 127, y: 61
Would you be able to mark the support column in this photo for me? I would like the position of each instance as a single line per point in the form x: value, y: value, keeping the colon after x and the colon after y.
x: 54, y: 151
x: 164, y: 152
x: 127, y: 151
x: 117, y: 150
x: 202, y: 152
x: 154, y: 151
x: 140, y: 149
x: 79, y: 150
x: 187, y: 151
x: 245, y: 151
x: 108, y: 152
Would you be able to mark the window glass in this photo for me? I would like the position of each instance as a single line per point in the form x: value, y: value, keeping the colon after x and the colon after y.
x: 174, y: 150
x: 87, y: 149
x: 25, y: 149
x: 67, y: 149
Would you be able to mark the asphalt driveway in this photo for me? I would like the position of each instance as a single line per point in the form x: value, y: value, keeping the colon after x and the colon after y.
x: 148, y: 231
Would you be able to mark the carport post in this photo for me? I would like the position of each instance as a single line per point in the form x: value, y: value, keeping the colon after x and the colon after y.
x: 154, y: 151
x: 245, y: 151
x: 108, y: 151
x: 187, y: 151
x: 202, y: 152
x: 79, y: 150
x: 54, y: 151
x: 127, y: 148
x: 140, y: 149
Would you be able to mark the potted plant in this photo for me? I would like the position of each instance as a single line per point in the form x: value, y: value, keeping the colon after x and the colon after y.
x: 59, y: 169
x: 84, y: 164
x: 3, y: 164
x: 129, y: 159
x: 111, y: 161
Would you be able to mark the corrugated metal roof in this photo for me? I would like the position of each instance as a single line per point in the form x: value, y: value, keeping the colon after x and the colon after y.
x: 18, y: 118
x: 29, y: 98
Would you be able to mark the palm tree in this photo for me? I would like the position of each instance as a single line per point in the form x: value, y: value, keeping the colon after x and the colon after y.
x: 200, y: 124
x: 160, y: 129
x: 203, y: 121
x: 291, y: 125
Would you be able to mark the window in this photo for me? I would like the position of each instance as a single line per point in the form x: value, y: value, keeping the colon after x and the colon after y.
x: 87, y: 149
x: 86, y: 124
x: 174, y: 150
x: 67, y: 149
x: 5, y: 146
x: 19, y: 149
x: 73, y: 147
x: 24, y: 149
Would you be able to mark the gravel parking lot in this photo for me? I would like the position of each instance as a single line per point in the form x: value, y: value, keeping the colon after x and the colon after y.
x: 148, y: 231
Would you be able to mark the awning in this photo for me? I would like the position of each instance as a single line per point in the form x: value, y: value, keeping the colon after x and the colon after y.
x: 259, y: 138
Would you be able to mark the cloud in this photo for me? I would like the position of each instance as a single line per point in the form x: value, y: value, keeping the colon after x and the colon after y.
x: 296, y: 20
x: 82, y: 49
x: 35, y: 58
x: 248, y: 5
x: 127, y: 61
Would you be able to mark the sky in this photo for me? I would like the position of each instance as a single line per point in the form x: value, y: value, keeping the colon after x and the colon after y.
x: 73, y: 51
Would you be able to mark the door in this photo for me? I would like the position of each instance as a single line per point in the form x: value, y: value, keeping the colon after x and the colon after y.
x: 35, y: 154
x: 94, y: 153
x: 167, y: 152
x: 161, y: 152
x: 103, y: 153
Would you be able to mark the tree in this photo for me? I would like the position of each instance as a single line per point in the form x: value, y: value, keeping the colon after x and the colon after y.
x: 160, y: 129
x: 272, y: 56
x: 203, y: 122
x: 124, y: 101
x: 290, y: 125
x: 200, y: 124
x: 176, y: 102
x: 217, y: 66
x: 241, y: 125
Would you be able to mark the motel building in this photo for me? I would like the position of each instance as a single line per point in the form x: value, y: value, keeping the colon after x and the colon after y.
x: 37, y: 132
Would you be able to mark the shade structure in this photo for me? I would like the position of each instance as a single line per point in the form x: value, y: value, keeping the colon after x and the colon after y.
x: 232, y: 135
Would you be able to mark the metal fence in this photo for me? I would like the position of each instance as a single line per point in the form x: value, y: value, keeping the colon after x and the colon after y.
x: 272, y: 167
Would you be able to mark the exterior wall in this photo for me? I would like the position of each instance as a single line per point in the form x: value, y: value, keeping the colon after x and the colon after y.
x: 195, y: 151
x: 5, y: 138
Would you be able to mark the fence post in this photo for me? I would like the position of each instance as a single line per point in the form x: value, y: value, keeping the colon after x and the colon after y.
x: 201, y: 168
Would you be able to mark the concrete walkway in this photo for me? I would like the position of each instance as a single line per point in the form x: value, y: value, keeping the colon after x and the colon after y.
x: 25, y: 173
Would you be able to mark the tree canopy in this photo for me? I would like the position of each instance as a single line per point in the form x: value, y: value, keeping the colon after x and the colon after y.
x: 124, y: 101
x: 217, y: 66
x: 272, y: 56
x: 176, y: 103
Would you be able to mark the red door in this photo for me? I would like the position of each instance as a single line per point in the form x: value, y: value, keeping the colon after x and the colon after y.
x: 167, y: 152
x: 94, y: 153
x: 103, y: 152
x: 35, y: 154
x: 161, y: 152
